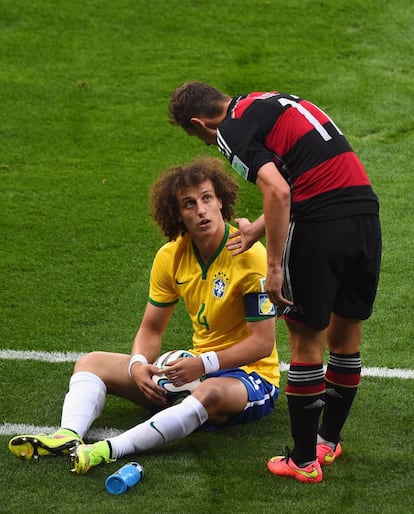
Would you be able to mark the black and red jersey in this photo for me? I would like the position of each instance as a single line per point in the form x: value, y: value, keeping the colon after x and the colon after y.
x: 326, y: 177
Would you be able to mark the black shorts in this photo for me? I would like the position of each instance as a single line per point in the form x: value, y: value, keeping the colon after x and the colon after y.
x: 332, y: 266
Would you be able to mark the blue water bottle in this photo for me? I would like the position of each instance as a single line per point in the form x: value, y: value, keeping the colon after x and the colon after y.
x: 126, y: 477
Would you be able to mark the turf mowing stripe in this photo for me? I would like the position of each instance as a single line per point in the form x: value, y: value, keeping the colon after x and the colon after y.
x: 71, y: 357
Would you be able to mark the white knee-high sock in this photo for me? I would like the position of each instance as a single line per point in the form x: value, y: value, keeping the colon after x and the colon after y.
x: 167, y: 425
x: 84, y: 402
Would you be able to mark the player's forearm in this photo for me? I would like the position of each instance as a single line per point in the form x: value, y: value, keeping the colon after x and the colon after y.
x: 276, y: 232
x: 258, y: 345
x: 276, y: 209
x: 258, y: 227
x: 147, y: 343
x: 149, y: 336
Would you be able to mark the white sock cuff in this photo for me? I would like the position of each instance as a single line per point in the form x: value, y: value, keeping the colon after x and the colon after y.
x: 84, y: 402
x: 86, y: 376
x: 197, y: 406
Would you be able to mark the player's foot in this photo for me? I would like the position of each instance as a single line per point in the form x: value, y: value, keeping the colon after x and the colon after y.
x: 86, y: 456
x: 34, y: 446
x: 326, y: 455
x: 285, y: 466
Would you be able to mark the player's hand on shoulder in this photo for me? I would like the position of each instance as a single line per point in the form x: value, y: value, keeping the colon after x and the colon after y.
x: 243, y: 239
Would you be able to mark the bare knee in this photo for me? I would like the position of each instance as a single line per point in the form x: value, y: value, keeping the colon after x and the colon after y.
x: 222, y: 398
x: 209, y: 394
x: 92, y: 362
x: 112, y: 369
x: 306, y: 344
x: 344, y: 335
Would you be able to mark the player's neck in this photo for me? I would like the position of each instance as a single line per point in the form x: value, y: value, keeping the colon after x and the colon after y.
x: 213, y: 123
x: 208, y: 246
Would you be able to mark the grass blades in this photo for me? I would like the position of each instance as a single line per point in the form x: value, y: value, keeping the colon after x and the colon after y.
x: 84, y: 131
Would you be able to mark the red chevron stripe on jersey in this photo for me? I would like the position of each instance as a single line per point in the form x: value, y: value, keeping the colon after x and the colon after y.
x: 342, y: 171
x: 327, y: 178
x: 246, y: 101
x: 293, y: 124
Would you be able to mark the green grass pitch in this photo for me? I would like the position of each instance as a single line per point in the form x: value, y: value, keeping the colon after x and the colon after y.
x: 84, y: 89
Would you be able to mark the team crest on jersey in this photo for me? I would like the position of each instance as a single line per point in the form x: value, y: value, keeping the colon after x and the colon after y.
x: 266, y: 307
x: 220, y: 284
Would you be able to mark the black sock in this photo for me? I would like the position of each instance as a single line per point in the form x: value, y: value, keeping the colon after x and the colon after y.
x: 342, y: 379
x: 305, y: 391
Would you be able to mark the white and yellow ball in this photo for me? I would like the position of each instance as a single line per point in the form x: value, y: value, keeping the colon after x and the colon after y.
x: 175, y: 394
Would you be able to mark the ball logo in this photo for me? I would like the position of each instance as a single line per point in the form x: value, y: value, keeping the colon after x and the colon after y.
x: 175, y: 394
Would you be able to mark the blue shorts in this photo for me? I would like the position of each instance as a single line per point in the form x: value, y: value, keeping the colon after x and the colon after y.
x: 261, y: 398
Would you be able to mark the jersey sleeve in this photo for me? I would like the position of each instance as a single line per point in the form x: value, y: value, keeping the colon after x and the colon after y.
x: 253, y: 269
x: 241, y: 141
x: 162, y: 292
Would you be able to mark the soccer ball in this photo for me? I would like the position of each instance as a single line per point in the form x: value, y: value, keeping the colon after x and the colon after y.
x: 174, y: 394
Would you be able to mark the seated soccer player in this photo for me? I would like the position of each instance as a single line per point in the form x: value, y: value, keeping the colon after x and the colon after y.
x: 233, y: 332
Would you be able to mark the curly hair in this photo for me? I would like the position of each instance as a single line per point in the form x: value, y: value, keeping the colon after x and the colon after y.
x: 194, y: 99
x: 163, y: 197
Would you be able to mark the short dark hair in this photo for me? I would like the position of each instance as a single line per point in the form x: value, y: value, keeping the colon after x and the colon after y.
x: 194, y: 99
x: 164, y: 202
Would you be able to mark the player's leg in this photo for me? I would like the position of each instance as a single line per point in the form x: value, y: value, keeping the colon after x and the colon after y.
x: 354, y: 303
x: 172, y: 423
x: 305, y: 395
x: 305, y: 389
x: 112, y: 370
x: 165, y: 426
x: 221, y: 398
x: 311, y: 283
x: 342, y: 380
x: 94, y: 375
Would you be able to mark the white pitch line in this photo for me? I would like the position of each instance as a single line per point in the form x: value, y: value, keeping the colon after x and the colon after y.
x: 284, y: 366
x: 10, y: 429
x: 39, y: 356
x: 94, y: 434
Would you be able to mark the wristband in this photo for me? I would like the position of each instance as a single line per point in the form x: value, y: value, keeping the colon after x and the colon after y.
x: 138, y: 357
x: 210, y: 361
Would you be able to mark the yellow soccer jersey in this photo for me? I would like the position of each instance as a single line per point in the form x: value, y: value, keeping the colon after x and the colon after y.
x: 219, y: 296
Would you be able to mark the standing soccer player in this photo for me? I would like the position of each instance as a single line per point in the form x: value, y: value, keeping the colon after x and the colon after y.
x: 321, y: 221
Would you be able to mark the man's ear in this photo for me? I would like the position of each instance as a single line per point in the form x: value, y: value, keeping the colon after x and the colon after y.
x: 197, y: 123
